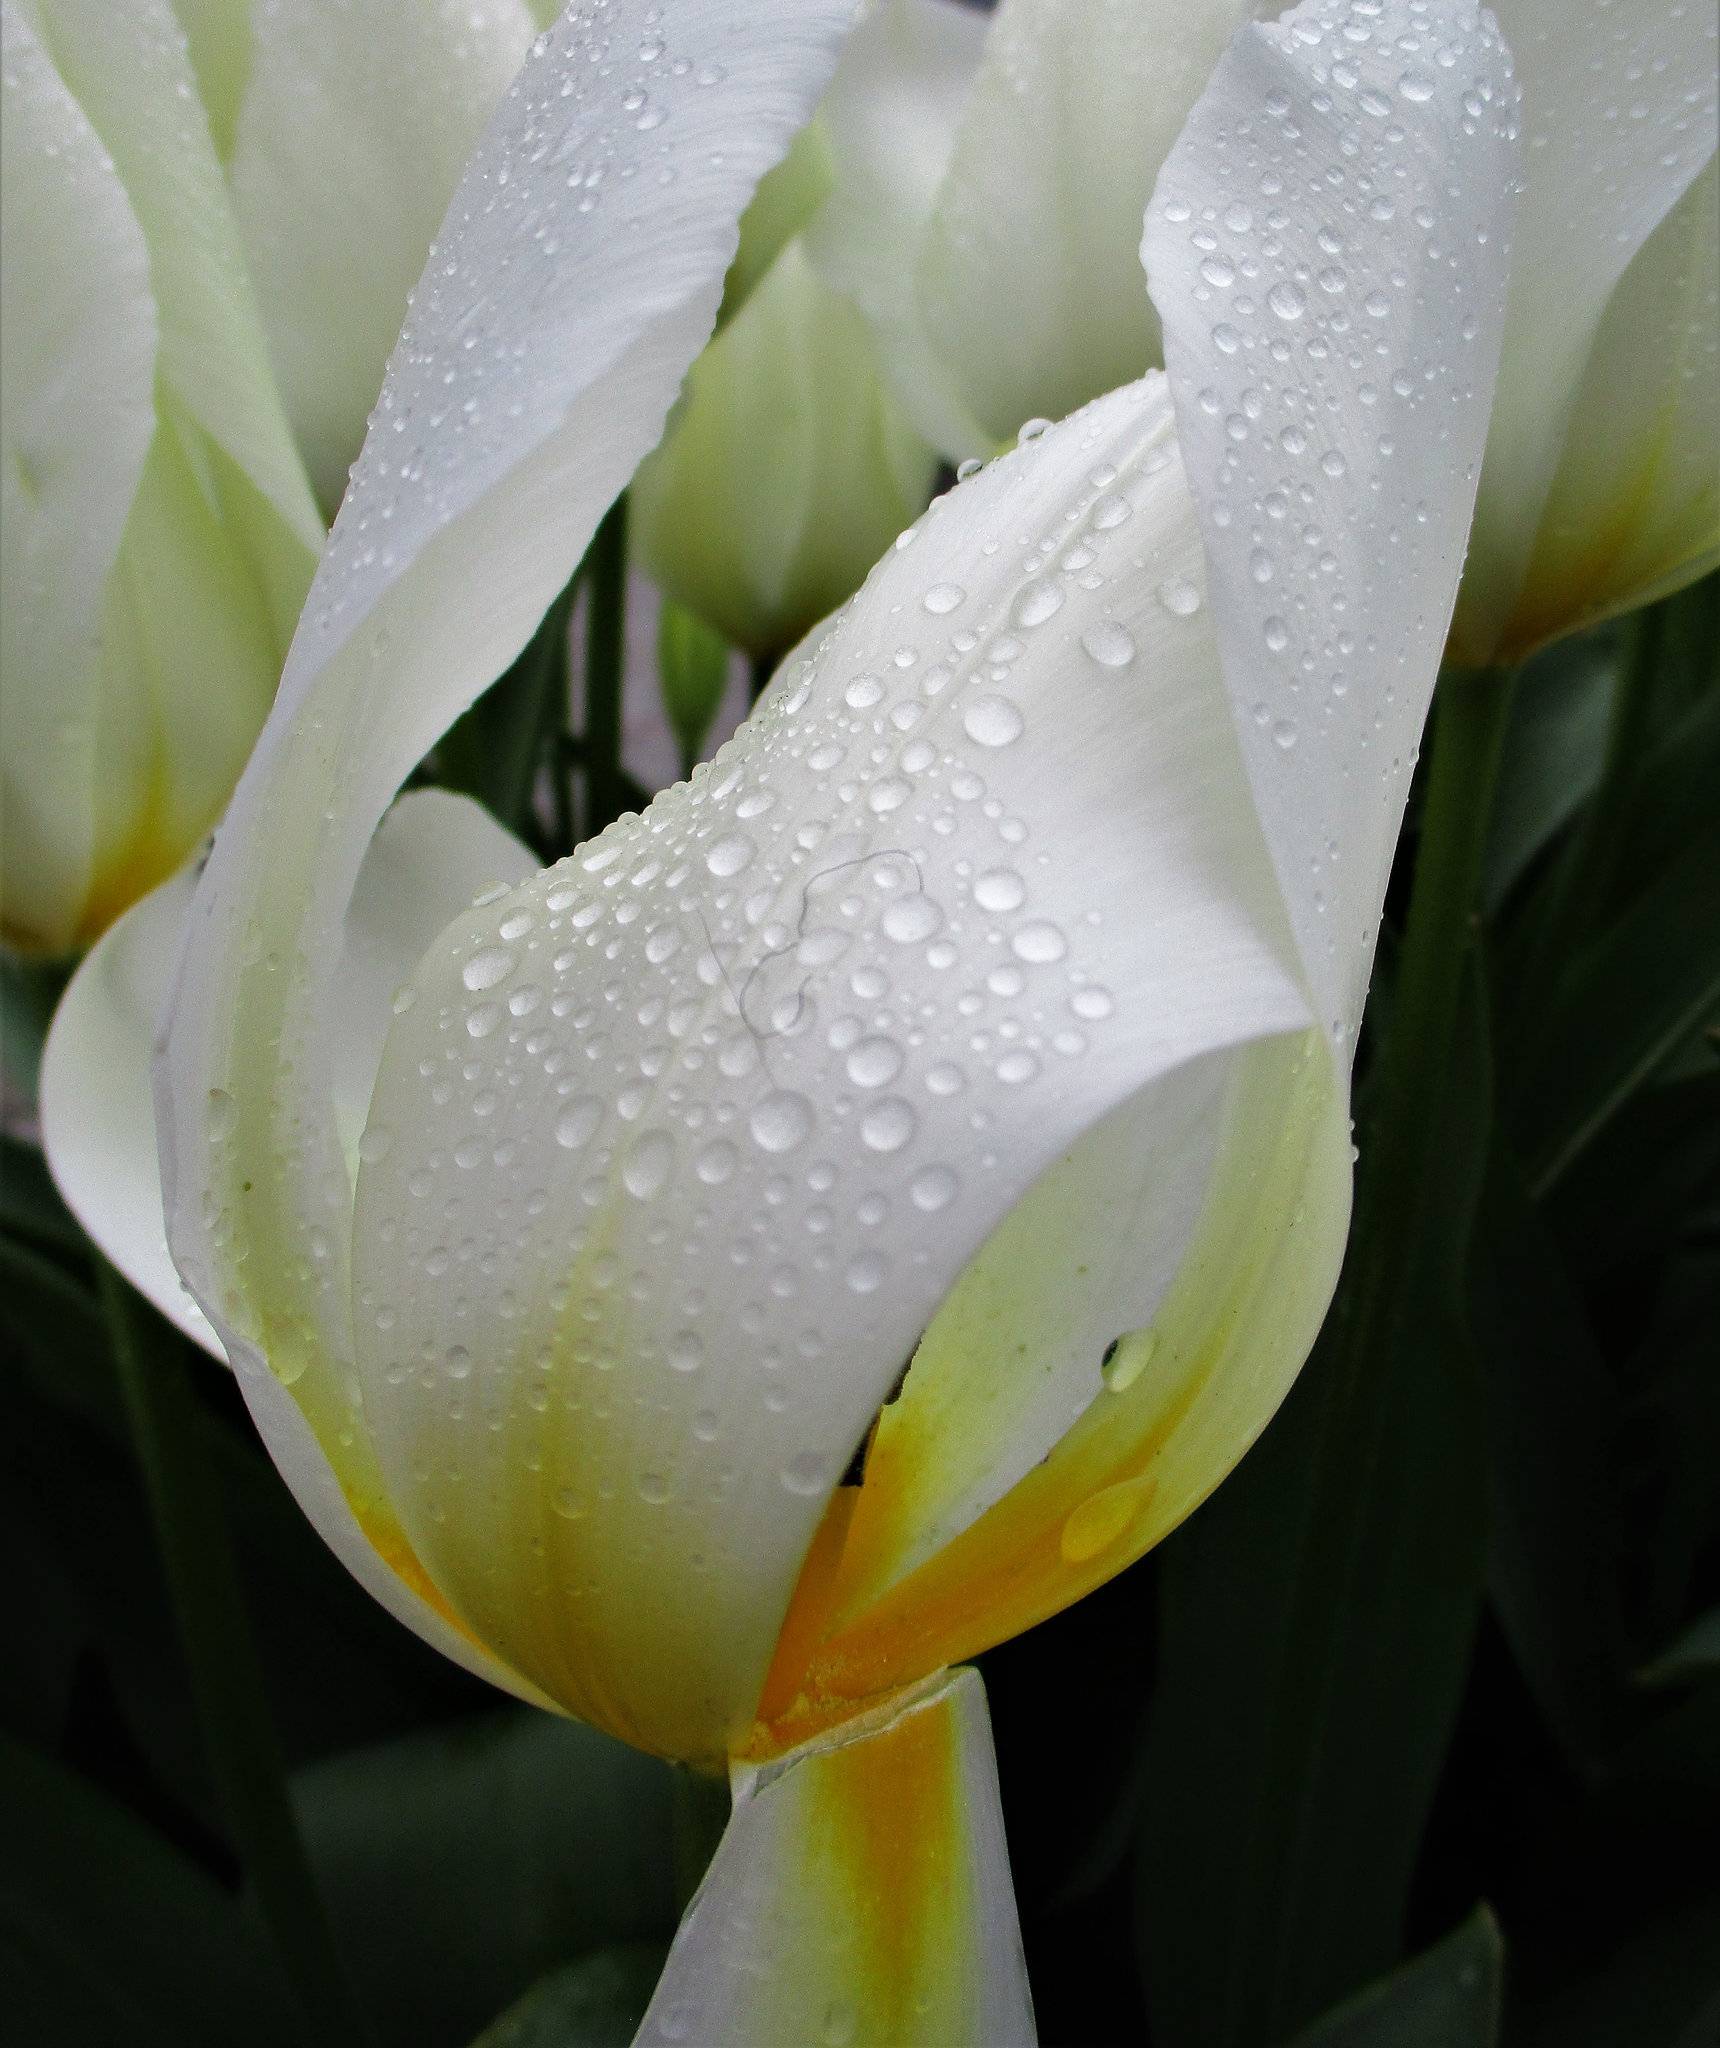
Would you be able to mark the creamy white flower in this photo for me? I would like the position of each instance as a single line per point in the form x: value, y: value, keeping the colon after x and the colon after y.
x: 985, y: 1009
x: 160, y: 531
x: 988, y: 182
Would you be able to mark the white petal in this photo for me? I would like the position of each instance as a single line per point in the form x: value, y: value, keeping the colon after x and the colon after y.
x: 131, y: 72
x: 356, y: 125
x: 1634, y: 510
x: 723, y: 1107
x: 860, y: 1893
x: 1619, y: 115
x: 218, y: 34
x: 890, y: 116
x: 78, y: 333
x: 1026, y: 278
x: 431, y: 854
x: 481, y: 483
x: 1332, y: 375
x: 98, y: 1119
x: 787, y: 469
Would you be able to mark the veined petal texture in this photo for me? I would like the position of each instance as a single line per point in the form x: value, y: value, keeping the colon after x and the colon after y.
x: 576, y: 276
x: 1328, y: 246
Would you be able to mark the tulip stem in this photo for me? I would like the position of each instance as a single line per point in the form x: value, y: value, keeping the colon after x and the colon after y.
x: 203, y: 1583
x: 605, y: 656
x: 1470, y: 717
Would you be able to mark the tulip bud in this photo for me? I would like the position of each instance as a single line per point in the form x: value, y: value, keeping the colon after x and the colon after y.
x: 787, y: 468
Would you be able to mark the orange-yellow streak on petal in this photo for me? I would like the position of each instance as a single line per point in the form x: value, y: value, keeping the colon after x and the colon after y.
x: 1231, y: 1333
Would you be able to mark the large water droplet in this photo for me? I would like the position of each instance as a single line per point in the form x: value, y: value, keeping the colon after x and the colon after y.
x: 485, y: 969
x: 804, y: 1474
x: 1128, y: 1358
x: 647, y: 1164
x: 888, y: 1125
x: 715, y: 1163
x: 1110, y: 645
x: 1277, y: 633
x: 934, y: 1189
x: 376, y: 1143
x: 1039, y: 943
x: 223, y: 1116
x: 730, y: 854
x: 993, y: 721
x: 1287, y: 300
x: 1038, y: 601
x: 781, y: 1121
x: 577, y: 1122
x: 1179, y: 596
x: 943, y: 597
x: 1000, y: 889
x: 874, y: 1062
x: 1416, y: 85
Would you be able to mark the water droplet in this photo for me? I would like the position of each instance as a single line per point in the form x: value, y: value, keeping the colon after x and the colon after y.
x: 1416, y: 85
x: 1111, y: 511
x: 1109, y: 644
x: 804, y: 1474
x: 874, y: 1062
x: 1039, y: 944
x: 1376, y: 305
x: 1017, y: 1067
x: 568, y: 1504
x: 944, y: 1079
x: 706, y: 1426
x: 1277, y: 634
x: 911, y: 919
x: 1332, y: 462
x: 1219, y: 271
x: 715, y: 1163
x: 458, y: 1362
x: 1100, y: 1521
x: 1000, y: 889
x: 888, y: 795
x: 1260, y: 566
x: 653, y: 1488
x: 483, y: 1019
x: 971, y: 467
x: 1091, y: 1004
x: 862, y: 693
x: 1287, y: 300
x: 781, y: 1121
x: 1179, y: 596
x: 934, y: 1189
x: 485, y: 969
x: 1031, y: 431
x: 1284, y: 735
x: 993, y: 721
x: 730, y: 854
x: 375, y: 1143
x: 888, y: 1125
x: 839, y: 2024
x: 404, y: 997
x: 577, y: 1122
x: 865, y: 1274
x: 223, y: 1116
x: 1038, y: 601
x: 686, y: 1353
x: 1128, y: 1358
x: 943, y: 597
x: 1332, y: 279
x: 647, y: 1164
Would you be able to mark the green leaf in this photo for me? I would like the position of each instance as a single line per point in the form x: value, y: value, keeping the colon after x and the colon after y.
x: 1696, y: 1650
x: 1448, y: 1997
x: 1659, y: 1990
x: 1315, y: 1634
x: 462, y: 1865
x: 1622, y: 1008
x: 693, y: 673
x: 1553, y: 1415
x: 493, y: 751
x: 113, y: 1936
x: 30, y: 1204
x: 597, y: 2002
x: 1554, y: 748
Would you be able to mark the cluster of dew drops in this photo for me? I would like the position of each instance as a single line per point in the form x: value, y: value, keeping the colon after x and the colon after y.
x: 1318, y: 357
x: 773, y: 1024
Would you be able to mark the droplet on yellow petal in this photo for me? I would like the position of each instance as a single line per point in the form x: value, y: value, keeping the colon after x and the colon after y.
x: 1098, y: 1523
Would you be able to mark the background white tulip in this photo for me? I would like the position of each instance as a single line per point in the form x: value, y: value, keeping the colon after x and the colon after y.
x: 987, y: 175
x: 212, y: 221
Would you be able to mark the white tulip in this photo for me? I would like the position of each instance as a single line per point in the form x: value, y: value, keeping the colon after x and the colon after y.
x: 989, y: 177
x: 984, y: 1010
x: 209, y: 244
